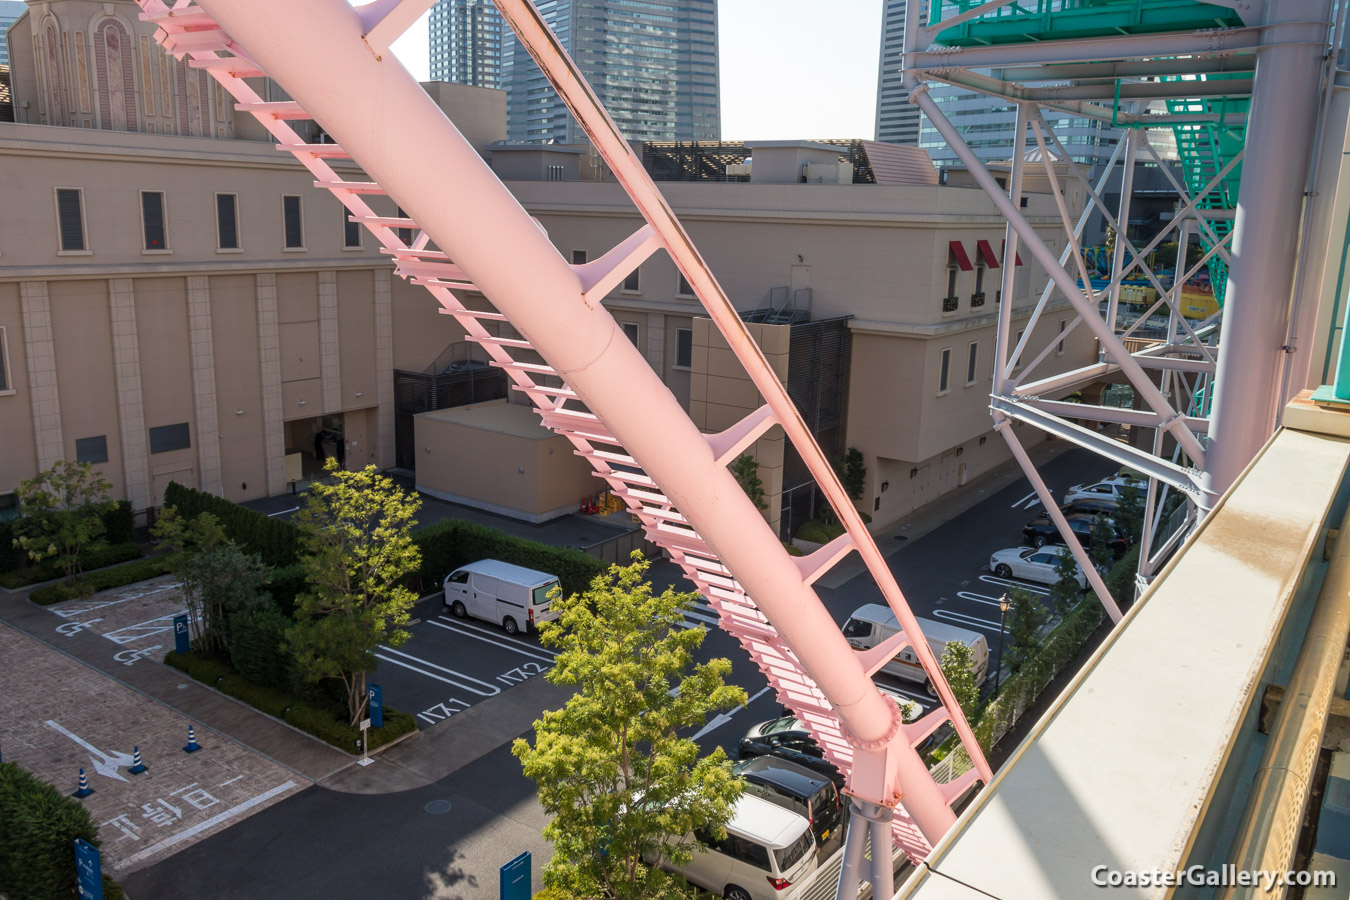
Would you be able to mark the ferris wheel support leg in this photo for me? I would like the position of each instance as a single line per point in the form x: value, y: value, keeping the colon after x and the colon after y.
x: 1280, y: 130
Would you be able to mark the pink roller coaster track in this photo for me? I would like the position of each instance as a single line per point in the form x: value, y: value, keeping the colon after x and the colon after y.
x: 589, y: 382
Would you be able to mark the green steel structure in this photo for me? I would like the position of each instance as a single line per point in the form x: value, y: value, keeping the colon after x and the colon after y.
x: 1048, y: 20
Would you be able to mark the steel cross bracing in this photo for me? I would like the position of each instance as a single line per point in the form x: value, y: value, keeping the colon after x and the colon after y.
x: 1205, y: 77
x: 584, y: 377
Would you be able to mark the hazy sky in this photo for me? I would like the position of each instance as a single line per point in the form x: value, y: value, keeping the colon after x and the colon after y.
x: 790, y: 68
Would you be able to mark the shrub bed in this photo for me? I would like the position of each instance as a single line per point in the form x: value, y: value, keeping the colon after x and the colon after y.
x: 274, y: 541
x: 108, y: 556
x: 119, y: 526
x: 38, y: 827
x: 102, y: 580
x: 325, y: 723
x: 818, y: 531
x: 451, y: 543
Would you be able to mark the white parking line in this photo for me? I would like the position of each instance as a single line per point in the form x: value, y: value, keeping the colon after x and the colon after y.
x: 1007, y: 582
x: 964, y: 619
x: 470, y: 626
x: 477, y: 637
x: 1023, y: 500
x: 202, y: 826
x: 148, y: 628
x: 81, y: 607
x: 493, y: 690
x: 707, y: 618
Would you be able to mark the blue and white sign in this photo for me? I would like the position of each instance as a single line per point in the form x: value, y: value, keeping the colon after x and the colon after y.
x: 376, y: 711
x: 516, y: 878
x: 88, y: 870
x: 181, y: 642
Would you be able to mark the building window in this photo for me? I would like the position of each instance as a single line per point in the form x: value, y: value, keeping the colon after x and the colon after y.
x: 944, y: 370
x: 578, y: 257
x: 6, y: 386
x: 152, y: 221
x: 684, y: 289
x: 9, y: 506
x: 631, y: 329
x: 294, y: 232
x: 684, y: 348
x: 631, y: 281
x: 227, y: 222
x: 92, y: 449
x: 170, y: 437
x: 70, y: 220
x: 972, y: 361
x: 1059, y: 351
x: 351, y: 231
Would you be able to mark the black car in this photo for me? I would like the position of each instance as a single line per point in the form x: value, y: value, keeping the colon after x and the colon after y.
x: 1089, y: 505
x: 798, y: 789
x: 1090, y: 528
x: 786, y: 738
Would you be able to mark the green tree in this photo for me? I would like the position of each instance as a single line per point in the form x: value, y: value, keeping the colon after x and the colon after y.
x: 1065, y: 592
x: 61, y: 514
x: 746, y: 472
x: 1028, y: 617
x: 356, y: 534
x: 622, y: 785
x: 852, y: 471
x: 958, y: 668
x: 224, y: 580
x: 1120, y: 580
x: 1129, y: 514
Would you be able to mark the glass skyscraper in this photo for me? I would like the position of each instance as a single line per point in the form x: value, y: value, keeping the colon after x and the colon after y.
x: 9, y: 11
x: 653, y: 64
x: 897, y: 118
x: 466, y: 43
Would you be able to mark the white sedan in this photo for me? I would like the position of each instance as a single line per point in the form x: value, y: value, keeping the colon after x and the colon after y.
x: 1032, y: 564
x: 1109, y: 489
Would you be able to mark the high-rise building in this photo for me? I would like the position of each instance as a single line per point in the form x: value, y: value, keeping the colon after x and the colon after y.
x: 988, y: 125
x: 466, y: 43
x: 653, y: 64
x: 9, y: 11
x: 897, y: 118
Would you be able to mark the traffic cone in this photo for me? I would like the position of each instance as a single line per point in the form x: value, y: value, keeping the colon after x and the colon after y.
x: 192, y: 745
x: 85, y: 790
x: 137, y: 767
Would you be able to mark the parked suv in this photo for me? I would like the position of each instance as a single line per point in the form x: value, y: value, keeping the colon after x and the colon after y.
x: 1090, y: 529
x: 798, y: 789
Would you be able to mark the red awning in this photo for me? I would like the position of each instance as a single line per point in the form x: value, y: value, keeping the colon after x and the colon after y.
x: 1004, y: 247
x: 959, y: 254
x: 987, y: 254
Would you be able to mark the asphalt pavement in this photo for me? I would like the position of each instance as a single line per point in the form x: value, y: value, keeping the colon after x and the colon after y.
x: 350, y: 839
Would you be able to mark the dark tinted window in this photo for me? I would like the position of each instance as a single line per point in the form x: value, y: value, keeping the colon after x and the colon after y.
x: 69, y: 209
x: 459, y: 578
x: 632, y: 280
x: 152, y: 211
x: 226, y: 223
x: 684, y: 347
x: 777, y: 797
x: 92, y: 449
x: 290, y: 208
x: 351, y: 231
x: 792, y: 854
x: 748, y: 851
x: 170, y: 437
x: 857, y: 628
x: 684, y: 285
x: 404, y: 234
x: 578, y: 257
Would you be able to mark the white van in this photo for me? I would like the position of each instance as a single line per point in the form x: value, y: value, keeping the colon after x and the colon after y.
x: 512, y: 596
x: 871, y: 624
x: 767, y: 850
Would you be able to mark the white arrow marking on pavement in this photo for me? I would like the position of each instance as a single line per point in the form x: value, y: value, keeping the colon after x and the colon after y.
x: 721, y: 719
x: 1023, y: 500
x: 109, y: 763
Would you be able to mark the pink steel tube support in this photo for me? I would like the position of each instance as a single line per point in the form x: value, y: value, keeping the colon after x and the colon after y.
x: 535, y: 35
x: 388, y: 124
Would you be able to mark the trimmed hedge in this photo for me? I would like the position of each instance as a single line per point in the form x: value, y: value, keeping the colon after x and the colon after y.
x: 38, y: 827
x: 119, y: 527
x: 328, y: 725
x: 102, y: 580
x: 48, y: 571
x: 451, y: 543
x: 445, y: 546
x: 256, y: 638
x: 274, y: 541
